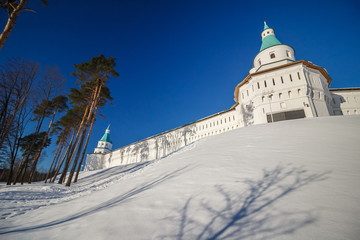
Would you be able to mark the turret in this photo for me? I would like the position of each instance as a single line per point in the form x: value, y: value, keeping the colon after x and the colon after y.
x: 272, y: 52
x: 105, y: 143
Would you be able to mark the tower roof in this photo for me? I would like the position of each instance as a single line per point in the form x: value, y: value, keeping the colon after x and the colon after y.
x: 106, y: 137
x: 269, y: 39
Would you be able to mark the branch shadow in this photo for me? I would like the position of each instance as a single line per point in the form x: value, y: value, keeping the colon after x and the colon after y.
x: 252, y: 213
x: 105, y: 205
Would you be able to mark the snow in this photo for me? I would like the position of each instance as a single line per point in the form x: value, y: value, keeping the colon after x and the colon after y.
x: 287, y: 180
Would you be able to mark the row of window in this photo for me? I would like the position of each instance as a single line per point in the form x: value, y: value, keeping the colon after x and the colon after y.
x: 215, y: 123
x: 347, y: 99
x: 280, y: 95
x: 347, y: 112
x: 212, y: 133
x: 265, y: 83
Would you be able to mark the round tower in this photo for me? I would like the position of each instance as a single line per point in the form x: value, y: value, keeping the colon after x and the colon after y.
x: 104, y: 144
x: 272, y: 52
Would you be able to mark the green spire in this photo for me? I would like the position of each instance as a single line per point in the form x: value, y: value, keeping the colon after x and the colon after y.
x: 106, y: 137
x: 269, y: 40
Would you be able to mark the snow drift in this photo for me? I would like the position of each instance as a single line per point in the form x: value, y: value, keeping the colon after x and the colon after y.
x: 287, y: 180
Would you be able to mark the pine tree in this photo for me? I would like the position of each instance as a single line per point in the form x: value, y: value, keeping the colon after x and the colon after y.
x: 93, y: 77
x: 13, y: 8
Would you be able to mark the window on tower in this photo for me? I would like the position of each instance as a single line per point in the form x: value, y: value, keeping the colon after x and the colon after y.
x: 288, y: 53
x: 259, y: 61
x: 272, y: 55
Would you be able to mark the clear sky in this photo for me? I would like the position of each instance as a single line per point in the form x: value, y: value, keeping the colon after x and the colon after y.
x: 180, y: 60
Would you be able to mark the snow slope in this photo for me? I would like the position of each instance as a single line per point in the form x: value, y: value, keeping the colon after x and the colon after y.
x: 287, y: 180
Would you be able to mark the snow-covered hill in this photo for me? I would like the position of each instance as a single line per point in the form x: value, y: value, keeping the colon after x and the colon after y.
x: 288, y: 180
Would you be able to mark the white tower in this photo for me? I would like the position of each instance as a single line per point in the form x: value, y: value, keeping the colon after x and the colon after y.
x: 105, y: 144
x: 272, y: 52
x: 280, y: 88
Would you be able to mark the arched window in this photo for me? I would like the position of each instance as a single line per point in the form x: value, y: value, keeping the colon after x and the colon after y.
x: 272, y: 55
x: 289, y: 93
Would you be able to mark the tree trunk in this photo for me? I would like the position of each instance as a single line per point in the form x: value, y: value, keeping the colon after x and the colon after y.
x: 76, y: 160
x: 54, y: 162
x: 63, y: 159
x: 11, y: 22
x: 85, y: 120
x: 84, y: 150
x: 38, y: 154
x: 26, y: 159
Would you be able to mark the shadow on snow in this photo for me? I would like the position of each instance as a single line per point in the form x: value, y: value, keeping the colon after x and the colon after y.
x: 250, y: 214
x: 105, y: 205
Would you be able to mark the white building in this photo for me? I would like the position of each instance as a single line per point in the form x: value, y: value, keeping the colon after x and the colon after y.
x: 277, y: 88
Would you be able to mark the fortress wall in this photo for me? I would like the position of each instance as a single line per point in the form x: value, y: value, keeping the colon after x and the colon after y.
x: 345, y: 101
x: 165, y: 143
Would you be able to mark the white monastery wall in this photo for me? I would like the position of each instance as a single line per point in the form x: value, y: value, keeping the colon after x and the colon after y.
x: 165, y: 143
x: 277, y: 88
x: 345, y: 101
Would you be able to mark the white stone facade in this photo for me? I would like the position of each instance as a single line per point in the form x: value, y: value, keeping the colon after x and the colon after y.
x: 165, y: 143
x: 277, y: 88
x: 345, y: 101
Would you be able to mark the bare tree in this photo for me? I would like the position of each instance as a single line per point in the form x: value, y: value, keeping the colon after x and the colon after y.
x: 16, y: 81
x: 48, y: 86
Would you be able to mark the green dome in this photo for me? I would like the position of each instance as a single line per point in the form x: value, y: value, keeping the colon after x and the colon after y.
x: 269, y: 41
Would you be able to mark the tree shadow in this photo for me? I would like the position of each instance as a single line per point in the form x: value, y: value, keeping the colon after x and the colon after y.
x: 252, y: 213
x: 105, y: 205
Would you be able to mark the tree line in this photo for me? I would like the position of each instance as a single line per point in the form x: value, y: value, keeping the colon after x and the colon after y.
x: 27, y: 102
x: 33, y: 113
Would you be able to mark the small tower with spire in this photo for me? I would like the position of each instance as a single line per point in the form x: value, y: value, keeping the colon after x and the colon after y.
x: 272, y: 53
x: 104, y: 144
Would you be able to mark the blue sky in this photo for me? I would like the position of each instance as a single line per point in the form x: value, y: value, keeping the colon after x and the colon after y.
x: 179, y: 61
